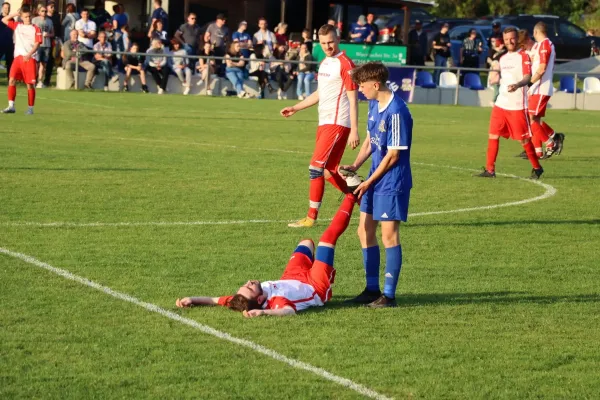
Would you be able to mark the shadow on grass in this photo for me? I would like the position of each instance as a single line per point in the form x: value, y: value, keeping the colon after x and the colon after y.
x: 507, y: 223
x: 480, y: 298
x: 94, y: 169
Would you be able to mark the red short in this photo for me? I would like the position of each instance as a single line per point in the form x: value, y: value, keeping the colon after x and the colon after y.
x: 512, y: 124
x: 537, y: 104
x: 25, y: 71
x: 318, y: 274
x: 330, y: 146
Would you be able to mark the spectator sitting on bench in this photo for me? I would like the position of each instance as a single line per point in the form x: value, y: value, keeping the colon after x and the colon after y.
x: 206, y: 66
x: 260, y: 69
x: 67, y: 53
x: 235, y: 70
x: 180, y: 66
x: 283, y: 71
x: 103, y: 59
x: 306, y: 72
x: 134, y: 65
x: 157, y: 65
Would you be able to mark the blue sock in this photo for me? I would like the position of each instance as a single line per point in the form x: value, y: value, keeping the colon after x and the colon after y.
x: 304, y: 250
x: 371, y: 260
x: 393, y: 264
x: 325, y: 254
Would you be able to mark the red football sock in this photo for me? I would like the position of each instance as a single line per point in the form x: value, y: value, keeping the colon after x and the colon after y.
x: 12, y: 93
x: 539, y: 132
x: 317, y: 188
x: 31, y: 97
x: 533, y: 159
x: 537, y: 144
x: 492, y: 154
x: 341, y: 220
x: 549, y: 131
x: 337, y: 181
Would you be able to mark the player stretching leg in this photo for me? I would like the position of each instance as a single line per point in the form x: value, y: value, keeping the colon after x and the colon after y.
x: 509, y: 115
x: 27, y: 39
x: 543, y: 57
x: 338, y: 121
x: 306, y: 281
x: 385, y: 194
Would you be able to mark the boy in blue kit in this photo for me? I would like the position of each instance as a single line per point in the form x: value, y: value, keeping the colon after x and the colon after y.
x: 385, y: 194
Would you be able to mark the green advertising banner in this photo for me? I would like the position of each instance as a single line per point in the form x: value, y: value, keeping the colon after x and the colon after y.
x: 362, y: 53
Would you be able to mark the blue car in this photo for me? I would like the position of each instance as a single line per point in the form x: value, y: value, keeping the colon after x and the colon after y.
x: 459, y: 33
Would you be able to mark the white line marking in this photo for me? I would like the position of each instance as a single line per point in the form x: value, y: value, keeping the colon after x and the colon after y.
x: 347, y: 383
x: 549, y: 192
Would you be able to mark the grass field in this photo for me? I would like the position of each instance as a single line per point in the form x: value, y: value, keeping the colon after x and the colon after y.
x: 494, y: 302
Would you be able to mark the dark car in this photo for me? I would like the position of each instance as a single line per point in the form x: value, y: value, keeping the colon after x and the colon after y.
x: 459, y: 33
x: 434, y: 27
x: 570, y: 41
x: 386, y: 23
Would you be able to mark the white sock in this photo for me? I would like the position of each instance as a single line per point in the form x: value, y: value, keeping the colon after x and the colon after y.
x: 11, y: 104
x: 31, y: 107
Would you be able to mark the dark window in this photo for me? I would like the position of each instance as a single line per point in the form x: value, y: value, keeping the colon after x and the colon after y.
x: 570, y: 30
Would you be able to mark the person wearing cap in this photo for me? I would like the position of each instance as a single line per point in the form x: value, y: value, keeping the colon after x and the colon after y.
x: 441, y: 44
x: 417, y: 43
x: 360, y: 32
x: 244, y: 38
x: 495, y: 35
x: 219, y: 35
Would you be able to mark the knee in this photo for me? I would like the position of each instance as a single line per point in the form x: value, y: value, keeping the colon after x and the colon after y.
x: 365, y: 234
x: 309, y: 244
x: 315, y: 172
x: 390, y: 239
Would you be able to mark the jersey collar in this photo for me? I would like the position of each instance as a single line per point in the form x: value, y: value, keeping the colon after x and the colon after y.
x: 387, y: 105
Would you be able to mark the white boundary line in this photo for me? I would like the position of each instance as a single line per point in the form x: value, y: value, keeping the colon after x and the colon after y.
x: 347, y: 383
x: 549, y: 192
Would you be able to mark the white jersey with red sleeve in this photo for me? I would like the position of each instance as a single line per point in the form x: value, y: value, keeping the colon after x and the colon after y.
x: 25, y: 37
x: 513, y: 67
x: 334, y: 81
x: 543, y: 53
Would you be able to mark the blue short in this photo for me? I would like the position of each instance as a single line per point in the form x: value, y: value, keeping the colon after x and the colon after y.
x: 385, y: 207
x: 44, y: 54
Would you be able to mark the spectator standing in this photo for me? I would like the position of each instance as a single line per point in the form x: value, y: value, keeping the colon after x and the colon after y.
x: 281, y: 34
x: 260, y: 69
x: 45, y: 50
x: 157, y: 31
x: 157, y: 65
x: 335, y: 24
x: 7, y: 46
x: 306, y: 72
x: 180, y: 66
x: 243, y: 38
x: 68, y: 54
x: 68, y: 22
x: 282, y: 71
x: 103, y: 59
x: 100, y: 16
x: 265, y: 36
x: 417, y: 43
x: 119, y: 21
x: 87, y: 29
x: 307, y: 40
x: 188, y: 35
x: 374, y: 28
x: 206, y: 66
x: 495, y: 35
x: 441, y: 45
x: 469, y: 52
x: 134, y: 65
x: 397, y: 32
x: 56, y: 41
x: 360, y: 32
x: 235, y: 70
x: 159, y: 14
x: 219, y: 35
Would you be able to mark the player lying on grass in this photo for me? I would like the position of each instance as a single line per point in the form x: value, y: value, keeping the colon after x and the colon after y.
x: 306, y: 281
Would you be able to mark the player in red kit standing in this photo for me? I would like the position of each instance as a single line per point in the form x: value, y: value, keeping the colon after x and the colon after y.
x: 27, y: 39
x: 338, y: 121
x: 543, y: 57
x: 510, y: 117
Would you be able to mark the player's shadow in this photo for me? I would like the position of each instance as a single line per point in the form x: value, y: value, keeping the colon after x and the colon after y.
x: 505, y: 223
x: 478, y: 298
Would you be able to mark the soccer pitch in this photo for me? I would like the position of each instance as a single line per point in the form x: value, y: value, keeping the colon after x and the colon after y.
x: 159, y: 197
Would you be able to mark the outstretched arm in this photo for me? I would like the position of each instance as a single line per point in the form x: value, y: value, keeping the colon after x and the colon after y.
x: 197, y: 301
x: 280, y: 312
x: 308, y: 102
x: 363, y: 155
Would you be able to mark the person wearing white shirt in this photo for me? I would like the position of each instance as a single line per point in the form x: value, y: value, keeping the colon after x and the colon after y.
x: 86, y: 28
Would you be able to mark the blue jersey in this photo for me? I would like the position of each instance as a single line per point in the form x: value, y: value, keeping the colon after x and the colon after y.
x: 364, y: 30
x: 390, y: 128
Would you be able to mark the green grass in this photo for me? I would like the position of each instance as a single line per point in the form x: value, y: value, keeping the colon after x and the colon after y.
x: 500, y: 303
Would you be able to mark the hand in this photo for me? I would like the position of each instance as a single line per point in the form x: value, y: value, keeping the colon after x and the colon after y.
x: 26, y: 57
x: 362, y: 188
x: 44, y: 34
x: 185, y: 302
x: 347, y: 167
x: 253, y: 313
x: 512, y: 88
x: 288, y: 112
x: 353, y: 139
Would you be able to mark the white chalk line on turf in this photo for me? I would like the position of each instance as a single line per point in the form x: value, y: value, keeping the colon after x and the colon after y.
x: 347, y: 383
x: 548, y: 192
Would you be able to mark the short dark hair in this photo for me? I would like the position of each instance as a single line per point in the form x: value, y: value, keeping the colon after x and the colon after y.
x: 510, y: 29
x: 25, y: 8
x: 523, y: 38
x: 159, y: 2
x: 241, y: 303
x: 327, y: 29
x: 371, y: 71
x: 542, y: 27
x: 84, y: 10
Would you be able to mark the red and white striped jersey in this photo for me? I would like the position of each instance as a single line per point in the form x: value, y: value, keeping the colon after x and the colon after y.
x: 543, y: 53
x: 25, y: 37
x: 334, y: 80
x: 513, y: 67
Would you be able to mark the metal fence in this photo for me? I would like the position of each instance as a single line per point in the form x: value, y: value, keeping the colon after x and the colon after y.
x: 459, y: 70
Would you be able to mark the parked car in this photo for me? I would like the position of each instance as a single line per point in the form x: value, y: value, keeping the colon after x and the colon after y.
x: 386, y: 23
x: 434, y: 27
x: 570, y: 41
x: 459, y: 33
